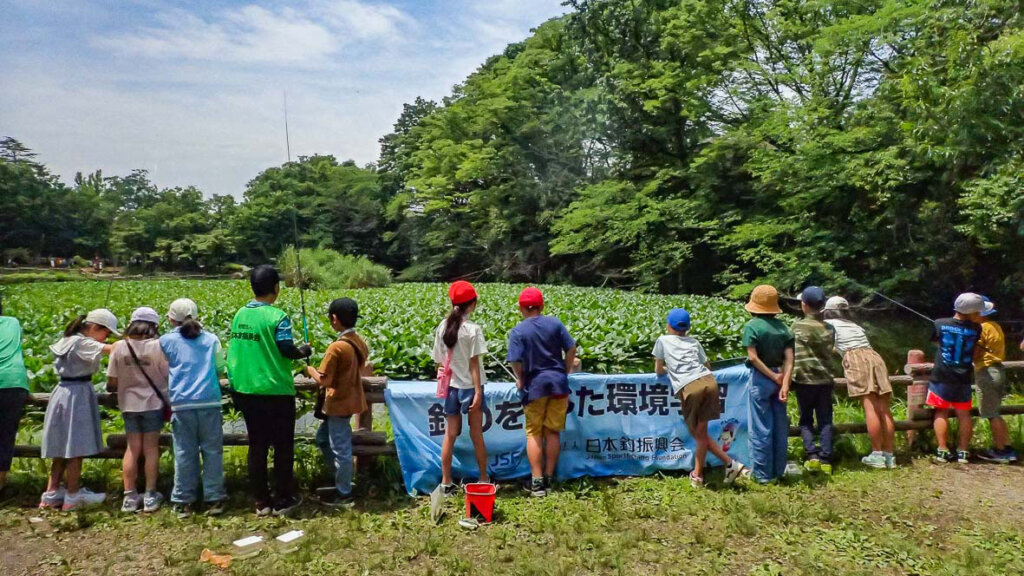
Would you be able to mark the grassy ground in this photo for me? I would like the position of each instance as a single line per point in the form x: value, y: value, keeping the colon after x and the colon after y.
x: 919, y: 519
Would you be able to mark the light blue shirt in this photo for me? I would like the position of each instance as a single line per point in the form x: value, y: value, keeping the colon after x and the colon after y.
x: 193, y: 366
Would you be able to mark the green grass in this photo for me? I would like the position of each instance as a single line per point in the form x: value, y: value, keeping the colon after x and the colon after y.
x: 910, y: 521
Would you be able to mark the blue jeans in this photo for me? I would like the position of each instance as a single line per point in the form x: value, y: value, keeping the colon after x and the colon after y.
x: 198, y: 432
x: 335, y: 440
x: 769, y: 429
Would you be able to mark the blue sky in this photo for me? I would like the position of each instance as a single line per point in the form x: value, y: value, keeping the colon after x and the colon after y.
x: 192, y: 91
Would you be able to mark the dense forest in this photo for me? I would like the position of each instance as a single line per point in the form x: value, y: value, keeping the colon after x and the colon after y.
x: 678, y: 146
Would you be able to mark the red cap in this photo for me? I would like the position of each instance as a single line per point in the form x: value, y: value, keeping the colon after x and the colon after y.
x: 461, y: 292
x: 531, y: 298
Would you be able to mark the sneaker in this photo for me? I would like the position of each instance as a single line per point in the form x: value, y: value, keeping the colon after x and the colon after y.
x: 826, y: 469
x: 963, y: 457
x: 215, y: 508
x: 942, y: 456
x: 1009, y: 454
x: 450, y: 489
x: 84, y: 498
x: 735, y: 471
x: 813, y: 465
x: 53, y: 499
x: 288, y: 507
x: 890, y: 460
x: 536, y: 488
x: 184, y: 510
x: 874, y: 460
x: 263, y: 509
x: 152, y: 501
x: 696, y: 481
x: 993, y: 455
x: 131, y: 503
x: 338, y: 500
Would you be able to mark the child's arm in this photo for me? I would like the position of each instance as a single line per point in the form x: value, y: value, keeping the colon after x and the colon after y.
x: 787, y: 375
x: 517, y: 369
x: 474, y: 371
x: 760, y: 366
x: 659, y: 367
x: 570, y: 359
x: 111, y: 384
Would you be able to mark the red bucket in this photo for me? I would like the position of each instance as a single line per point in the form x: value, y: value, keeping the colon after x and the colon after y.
x: 480, y: 500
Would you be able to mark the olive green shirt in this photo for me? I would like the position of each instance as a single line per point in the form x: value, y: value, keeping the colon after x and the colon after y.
x: 813, y: 352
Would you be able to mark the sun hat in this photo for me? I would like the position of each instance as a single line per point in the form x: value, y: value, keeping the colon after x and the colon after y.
x: 679, y: 319
x: 145, y: 314
x: 813, y: 296
x: 764, y: 300
x: 837, y: 303
x: 105, y: 318
x: 182, y: 309
x: 531, y: 298
x: 969, y: 303
x: 461, y: 292
x: 990, y: 306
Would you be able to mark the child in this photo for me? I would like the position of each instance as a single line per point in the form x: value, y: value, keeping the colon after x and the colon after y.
x: 867, y: 378
x: 769, y: 347
x: 260, y: 358
x: 812, y: 379
x: 990, y: 378
x: 341, y: 374
x: 535, y: 349
x: 682, y: 357
x: 138, y: 373
x: 949, y: 387
x: 194, y: 359
x: 71, y: 426
x: 13, y: 390
x: 461, y: 341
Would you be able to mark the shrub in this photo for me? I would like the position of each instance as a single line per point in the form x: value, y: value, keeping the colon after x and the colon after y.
x: 325, y: 269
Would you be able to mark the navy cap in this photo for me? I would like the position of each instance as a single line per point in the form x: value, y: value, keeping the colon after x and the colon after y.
x: 679, y: 319
x: 813, y: 296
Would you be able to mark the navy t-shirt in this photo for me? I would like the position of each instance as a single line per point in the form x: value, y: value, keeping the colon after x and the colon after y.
x: 954, y: 359
x: 539, y: 343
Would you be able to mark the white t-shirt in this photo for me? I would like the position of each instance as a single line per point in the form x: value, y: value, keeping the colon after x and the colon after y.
x: 849, y: 336
x: 76, y: 356
x: 134, y: 394
x: 684, y: 358
x: 471, y: 343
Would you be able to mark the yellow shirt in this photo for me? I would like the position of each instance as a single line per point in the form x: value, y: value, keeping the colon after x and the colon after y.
x: 991, y: 348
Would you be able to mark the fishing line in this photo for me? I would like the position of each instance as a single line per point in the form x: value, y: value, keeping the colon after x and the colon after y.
x: 502, y: 364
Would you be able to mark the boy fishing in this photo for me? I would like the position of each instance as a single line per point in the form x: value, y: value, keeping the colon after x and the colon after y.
x: 260, y: 355
x: 949, y: 388
x: 990, y: 378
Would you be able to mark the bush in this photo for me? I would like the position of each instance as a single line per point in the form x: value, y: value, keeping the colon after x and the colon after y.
x: 325, y: 269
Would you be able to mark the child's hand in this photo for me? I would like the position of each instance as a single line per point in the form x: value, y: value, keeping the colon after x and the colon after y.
x: 784, y: 393
x: 777, y: 378
x: 478, y: 400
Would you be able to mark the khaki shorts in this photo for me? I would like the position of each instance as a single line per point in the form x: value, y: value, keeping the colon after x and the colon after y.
x: 991, y: 382
x: 546, y: 413
x: 865, y: 373
x: 700, y: 401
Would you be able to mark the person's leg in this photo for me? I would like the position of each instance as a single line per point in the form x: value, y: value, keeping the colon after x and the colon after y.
x: 452, y: 429
x: 12, y: 403
x: 874, y: 424
x: 57, y: 467
x: 283, y: 441
x: 73, y: 474
x: 884, y: 412
x: 991, y: 383
x: 151, y: 452
x: 476, y: 434
x: 823, y: 413
x: 552, y: 451
x: 341, y: 446
x: 210, y: 424
x: 323, y: 442
x: 535, y: 440
x: 184, y: 432
x: 130, y: 462
x: 966, y: 429
x: 700, y: 436
x: 940, y: 424
x: 806, y: 403
x: 1000, y: 433
x: 780, y: 435
x: 760, y: 419
x: 554, y: 423
x: 257, y: 425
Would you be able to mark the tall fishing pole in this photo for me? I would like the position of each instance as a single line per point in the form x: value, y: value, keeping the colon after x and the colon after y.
x: 295, y: 230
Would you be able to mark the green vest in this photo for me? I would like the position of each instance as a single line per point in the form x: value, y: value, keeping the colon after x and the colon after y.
x: 255, y: 366
x: 12, y: 361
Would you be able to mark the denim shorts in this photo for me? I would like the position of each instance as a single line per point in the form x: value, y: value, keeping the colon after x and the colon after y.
x: 143, y: 422
x: 458, y: 400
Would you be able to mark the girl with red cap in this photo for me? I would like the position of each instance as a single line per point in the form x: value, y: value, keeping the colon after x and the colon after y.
x: 460, y: 342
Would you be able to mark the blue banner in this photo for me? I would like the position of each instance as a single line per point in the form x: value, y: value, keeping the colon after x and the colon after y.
x: 617, y: 425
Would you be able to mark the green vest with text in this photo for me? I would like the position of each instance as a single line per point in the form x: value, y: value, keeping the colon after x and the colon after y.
x: 255, y: 366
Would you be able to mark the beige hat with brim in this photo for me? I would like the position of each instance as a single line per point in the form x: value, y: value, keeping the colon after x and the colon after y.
x: 764, y: 300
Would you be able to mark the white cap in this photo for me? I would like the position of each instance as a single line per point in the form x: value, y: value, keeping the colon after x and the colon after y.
x: 181, y: 309
x: 837, y: 303
x: 105, y: 318
x: 969, y: 303
x: 145, y: 314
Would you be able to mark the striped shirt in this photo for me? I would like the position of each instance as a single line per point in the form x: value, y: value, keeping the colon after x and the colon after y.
x: 849, y: 336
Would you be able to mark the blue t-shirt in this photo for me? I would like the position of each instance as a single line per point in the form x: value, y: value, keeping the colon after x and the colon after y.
x: 954, y: 359
x: 539, y: 343
x: 192, y: 369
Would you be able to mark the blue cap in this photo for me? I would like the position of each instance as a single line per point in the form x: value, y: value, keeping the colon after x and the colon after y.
x: 813, y: 296
x: 679, y: 319
x: 990, y: 307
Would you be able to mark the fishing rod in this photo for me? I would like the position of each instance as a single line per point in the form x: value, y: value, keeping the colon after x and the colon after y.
x: 295, y: 230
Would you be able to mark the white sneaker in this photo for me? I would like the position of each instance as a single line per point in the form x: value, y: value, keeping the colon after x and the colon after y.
x: 53, y: 499
x: 131, y: 503
x: 735, y: 471
x: 152, y: 501
x: 84, y: 498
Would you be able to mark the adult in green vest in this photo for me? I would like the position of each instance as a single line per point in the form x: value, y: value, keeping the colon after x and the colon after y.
x: 13, y: 390
x: 260, y: 355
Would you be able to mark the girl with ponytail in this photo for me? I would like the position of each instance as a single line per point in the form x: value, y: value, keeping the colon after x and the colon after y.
x: 459, y: 342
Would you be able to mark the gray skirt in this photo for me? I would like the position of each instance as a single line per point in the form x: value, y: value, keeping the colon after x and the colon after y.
x: 71, y: 427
